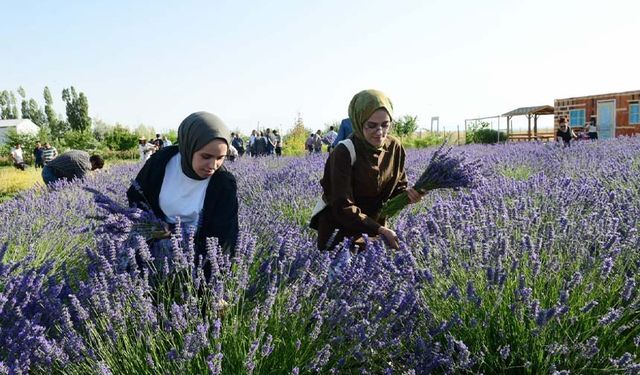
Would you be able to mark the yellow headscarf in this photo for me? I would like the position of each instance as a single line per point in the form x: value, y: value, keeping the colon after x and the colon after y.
x: 363, y: 105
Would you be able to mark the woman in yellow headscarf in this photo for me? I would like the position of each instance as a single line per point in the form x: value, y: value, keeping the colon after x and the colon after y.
x: 354, y: 190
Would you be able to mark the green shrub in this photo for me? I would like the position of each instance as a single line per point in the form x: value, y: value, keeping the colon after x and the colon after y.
x: 80, y: 140
x: 120, y: 139
x: 426, y: 140
x: 481, y: 133
x: 489, y: 136
x: 120, y: 155
x: 293, y: 142
x: 405, y: 126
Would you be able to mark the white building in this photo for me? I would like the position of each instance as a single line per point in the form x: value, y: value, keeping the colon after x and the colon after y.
x: 22, y: 126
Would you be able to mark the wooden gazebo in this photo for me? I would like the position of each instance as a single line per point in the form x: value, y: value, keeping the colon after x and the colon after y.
x: 530, y: 112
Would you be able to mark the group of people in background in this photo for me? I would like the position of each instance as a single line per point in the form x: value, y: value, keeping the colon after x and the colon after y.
x: 331, y: 138
x: 41, y: 155
x: 69, y: 165
x: 146, y: 149
x: 565, y: 134
x: 262, y: 143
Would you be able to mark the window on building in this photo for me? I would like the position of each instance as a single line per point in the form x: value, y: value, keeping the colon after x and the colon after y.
x: 634, y: 113
x: 576, y: 117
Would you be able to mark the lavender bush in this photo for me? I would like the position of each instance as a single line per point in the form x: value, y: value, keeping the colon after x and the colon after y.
x: 535, y: 272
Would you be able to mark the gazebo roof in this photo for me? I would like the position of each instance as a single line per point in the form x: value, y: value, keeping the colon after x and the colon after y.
x: 537, y: 110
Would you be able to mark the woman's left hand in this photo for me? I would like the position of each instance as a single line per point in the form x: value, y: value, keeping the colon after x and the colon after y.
x: 414, y: 196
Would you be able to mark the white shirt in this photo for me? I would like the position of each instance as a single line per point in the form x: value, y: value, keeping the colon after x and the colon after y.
x: 145, y: 151
x: 17, y: 155
x: 232, y: 152
x: 181, y: 196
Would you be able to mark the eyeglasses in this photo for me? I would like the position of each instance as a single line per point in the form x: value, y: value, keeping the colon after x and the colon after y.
x: 375, y: 126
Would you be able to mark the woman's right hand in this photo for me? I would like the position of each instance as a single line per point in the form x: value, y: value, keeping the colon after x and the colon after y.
x: 390, y: 236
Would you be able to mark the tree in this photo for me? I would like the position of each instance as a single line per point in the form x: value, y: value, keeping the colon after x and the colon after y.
x: 24, y: 109
x: 120, y: 138
x: 4, y: 99
x: 8, y: 105
x: 405, y: 125
x: 52, y: 119
x: 62, y: 127
x: 34, y: 112
x: 14, y: 106
x: 100, y: 129
x: 143, y: 130
x: 295, y: 139
x: 80, y: 140
x: 77, y: 109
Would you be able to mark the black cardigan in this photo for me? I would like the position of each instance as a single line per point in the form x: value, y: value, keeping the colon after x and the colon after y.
x: 219, y: 217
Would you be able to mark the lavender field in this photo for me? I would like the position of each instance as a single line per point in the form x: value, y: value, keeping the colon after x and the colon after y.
x: 533, y: 272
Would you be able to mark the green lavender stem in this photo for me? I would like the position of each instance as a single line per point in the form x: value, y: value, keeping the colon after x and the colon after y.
x: 394, y: 205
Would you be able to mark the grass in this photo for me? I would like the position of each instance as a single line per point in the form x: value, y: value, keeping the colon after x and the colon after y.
x: 13, y: 180
x: 518, y: 173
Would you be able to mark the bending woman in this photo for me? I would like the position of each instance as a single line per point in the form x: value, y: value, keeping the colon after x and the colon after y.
x: 355, y: 194
x: 189, y: 182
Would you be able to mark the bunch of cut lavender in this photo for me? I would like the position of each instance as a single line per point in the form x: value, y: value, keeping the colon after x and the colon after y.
x: 443, y: 171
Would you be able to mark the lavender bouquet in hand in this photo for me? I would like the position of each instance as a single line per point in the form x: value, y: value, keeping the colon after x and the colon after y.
x: 443, y: 171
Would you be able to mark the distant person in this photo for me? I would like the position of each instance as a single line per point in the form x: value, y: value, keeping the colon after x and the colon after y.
x: 344, y: 132
x: 308, y: 144
x: 278, y: 138
x: 49, y: 153
x: 238, y: 143
x: 329, y: 138
x: 145, y: 149
x: 158, y: 142
x: 69, y: 165
x: 189, y: 183
x: 565, y: 133
x: 38, y: 151
x: 166, y: 142
x: 260, y: 145
x: 317, y: 142
x: 17, y: 157
x: 592, y: 130
x: 232, y: 154
x: 252, y: 143
x: 271, y: 143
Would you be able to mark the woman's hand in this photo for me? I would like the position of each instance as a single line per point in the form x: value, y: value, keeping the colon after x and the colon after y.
x: 390, y: 236
x: 414, y: 196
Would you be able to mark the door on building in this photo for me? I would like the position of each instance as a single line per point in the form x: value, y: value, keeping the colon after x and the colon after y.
x: 606, y: 119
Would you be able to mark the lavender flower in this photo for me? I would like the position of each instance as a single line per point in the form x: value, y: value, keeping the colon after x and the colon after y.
x: 504, y: 352
x: 443, y: 172
x: 610, y: 317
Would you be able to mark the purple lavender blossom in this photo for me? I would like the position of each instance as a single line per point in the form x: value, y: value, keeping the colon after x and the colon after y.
x: 443, y: 172
x: 610, y: 317
x: 586, y: 308
x: 504, y: 352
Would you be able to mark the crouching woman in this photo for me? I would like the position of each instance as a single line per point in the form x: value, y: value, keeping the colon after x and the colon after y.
x: 188, y: 182
x: 355, y: 192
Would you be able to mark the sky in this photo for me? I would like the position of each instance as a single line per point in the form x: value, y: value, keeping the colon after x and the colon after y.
x: 260, y: 63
